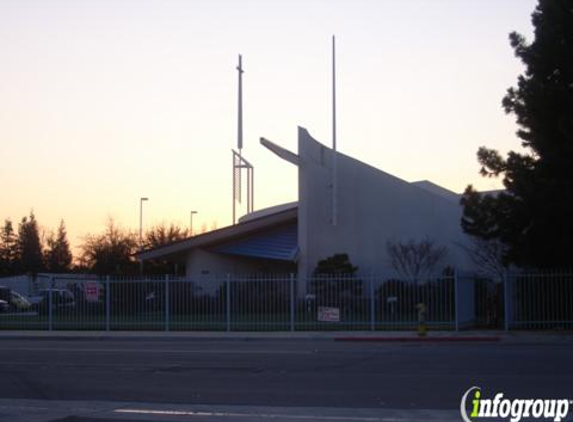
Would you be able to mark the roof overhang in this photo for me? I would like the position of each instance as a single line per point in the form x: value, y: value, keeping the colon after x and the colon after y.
x: 276, y: 243
x: 178, y: 250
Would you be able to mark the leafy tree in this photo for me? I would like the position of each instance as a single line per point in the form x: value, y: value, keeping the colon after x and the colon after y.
x: 335, y: 265
x: 416, y: 261
x: 163, y: 235
x: 334, y: 281
x: 30, y: 256
x: 111, y: 252
x: 8, y: 249
x: 58, y: 257
x: 533, y: 216
x: 160, y: 236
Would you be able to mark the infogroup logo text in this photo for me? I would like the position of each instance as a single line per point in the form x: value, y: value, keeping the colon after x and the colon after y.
x: 512, y: 409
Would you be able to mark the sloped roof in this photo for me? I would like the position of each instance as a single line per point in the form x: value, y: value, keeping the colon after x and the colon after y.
x: 280, y: 243
x: 225, y: 235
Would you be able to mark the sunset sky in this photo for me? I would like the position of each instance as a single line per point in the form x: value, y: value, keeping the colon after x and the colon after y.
x: 102, y: 102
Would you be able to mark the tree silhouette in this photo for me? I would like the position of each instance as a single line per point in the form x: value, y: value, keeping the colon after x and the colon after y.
x: 532, y: 217
x: 8, y: 249
x: 160, y: 236
x: 30, y: 257
x: 111, y: 252
x: 58, y: 257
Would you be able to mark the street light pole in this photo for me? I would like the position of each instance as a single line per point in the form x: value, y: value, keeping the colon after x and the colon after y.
x: 191, y: 222
x: 141, y: 222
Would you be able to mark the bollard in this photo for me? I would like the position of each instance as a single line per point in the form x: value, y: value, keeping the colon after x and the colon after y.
x: 421, y: 307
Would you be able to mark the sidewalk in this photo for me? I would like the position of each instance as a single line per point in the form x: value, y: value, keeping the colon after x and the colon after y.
x: 344, y: 336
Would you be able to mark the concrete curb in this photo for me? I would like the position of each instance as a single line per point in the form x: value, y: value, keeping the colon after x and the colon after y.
x: 339, y: 336
x: 163, y: 338
x: 402, y: 336
x: 247, y: 336
x: 449, y: 339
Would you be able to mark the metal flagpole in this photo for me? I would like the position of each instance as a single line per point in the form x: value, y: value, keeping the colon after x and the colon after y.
x: 240, y: 114
x: 237, y: 170
x: 334, y: 153
x: 239, y: 162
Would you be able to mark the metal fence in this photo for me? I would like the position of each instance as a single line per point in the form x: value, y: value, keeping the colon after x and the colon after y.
x: 539, y: 300
x: 285, y: 302
x: 233, y: 303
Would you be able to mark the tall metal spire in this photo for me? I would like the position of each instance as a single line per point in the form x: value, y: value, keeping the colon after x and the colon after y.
x: 334, y: 153
x: 239, y: 162
x: 240, y: 113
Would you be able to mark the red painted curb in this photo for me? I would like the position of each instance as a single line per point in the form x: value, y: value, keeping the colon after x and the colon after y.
x: 420, y: 339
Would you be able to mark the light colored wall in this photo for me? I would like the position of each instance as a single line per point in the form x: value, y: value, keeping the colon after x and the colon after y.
x: 208, y: 269
x: 373, y: 207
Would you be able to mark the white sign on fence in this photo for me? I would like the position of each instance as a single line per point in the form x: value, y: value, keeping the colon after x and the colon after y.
x: 326, y: 314
x: 91, y: 291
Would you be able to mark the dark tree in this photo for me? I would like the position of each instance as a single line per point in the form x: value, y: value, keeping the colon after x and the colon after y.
x: 335, y: 265
x: 110, y: 253
x: 533, y: 216
x: 58, y: 257
x: 160, y: 236
x: 334, y: 281
x: 30, y: 256
x: 8, y: 249
x: 163, y: 235
x: 487, y: 255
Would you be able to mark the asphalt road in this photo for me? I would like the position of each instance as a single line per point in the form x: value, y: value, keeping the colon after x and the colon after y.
x: 282, y: 373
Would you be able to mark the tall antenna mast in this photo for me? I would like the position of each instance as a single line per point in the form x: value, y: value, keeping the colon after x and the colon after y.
x: 240, y: 113
x: 334, y: 153
x: 239, y: 162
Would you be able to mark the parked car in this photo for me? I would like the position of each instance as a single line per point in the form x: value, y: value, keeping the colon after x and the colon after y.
x: 14, y: 301
x: 62, y: 300
x: 19, y: 302
x: 5, y: 293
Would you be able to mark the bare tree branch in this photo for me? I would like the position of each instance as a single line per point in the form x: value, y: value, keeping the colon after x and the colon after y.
x: 416, y: 260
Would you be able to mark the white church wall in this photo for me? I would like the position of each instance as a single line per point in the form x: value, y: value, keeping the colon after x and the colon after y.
x: 373, y: 208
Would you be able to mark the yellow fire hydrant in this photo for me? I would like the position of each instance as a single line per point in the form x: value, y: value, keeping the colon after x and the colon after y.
x: 421, y: 307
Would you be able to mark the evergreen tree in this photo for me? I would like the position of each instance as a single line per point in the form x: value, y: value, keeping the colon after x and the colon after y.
x: 58, y: 256
x: 533, y: 216
x: 30, y: 257
x: 8, y: 249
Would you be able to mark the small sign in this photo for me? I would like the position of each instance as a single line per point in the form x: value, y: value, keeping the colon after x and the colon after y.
x: 91, y: 291
x: 326, y: 314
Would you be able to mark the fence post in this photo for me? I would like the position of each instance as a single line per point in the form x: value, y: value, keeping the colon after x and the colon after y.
x: 456, y: 301
x: 506, y: 300
x: 167, y: 310
x: 292, y: 302
x: 107, y: 304
x: 372, y: 305
x: 228, y: 302
x: 51, y: 304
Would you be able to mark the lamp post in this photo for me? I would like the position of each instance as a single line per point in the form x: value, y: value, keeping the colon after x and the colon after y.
x: 191, y: 222
x: 141, y: 222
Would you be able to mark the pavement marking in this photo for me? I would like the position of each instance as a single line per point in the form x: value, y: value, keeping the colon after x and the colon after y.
x: 259, y: 415
x: 29, y: 410
x: 151, y: 351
